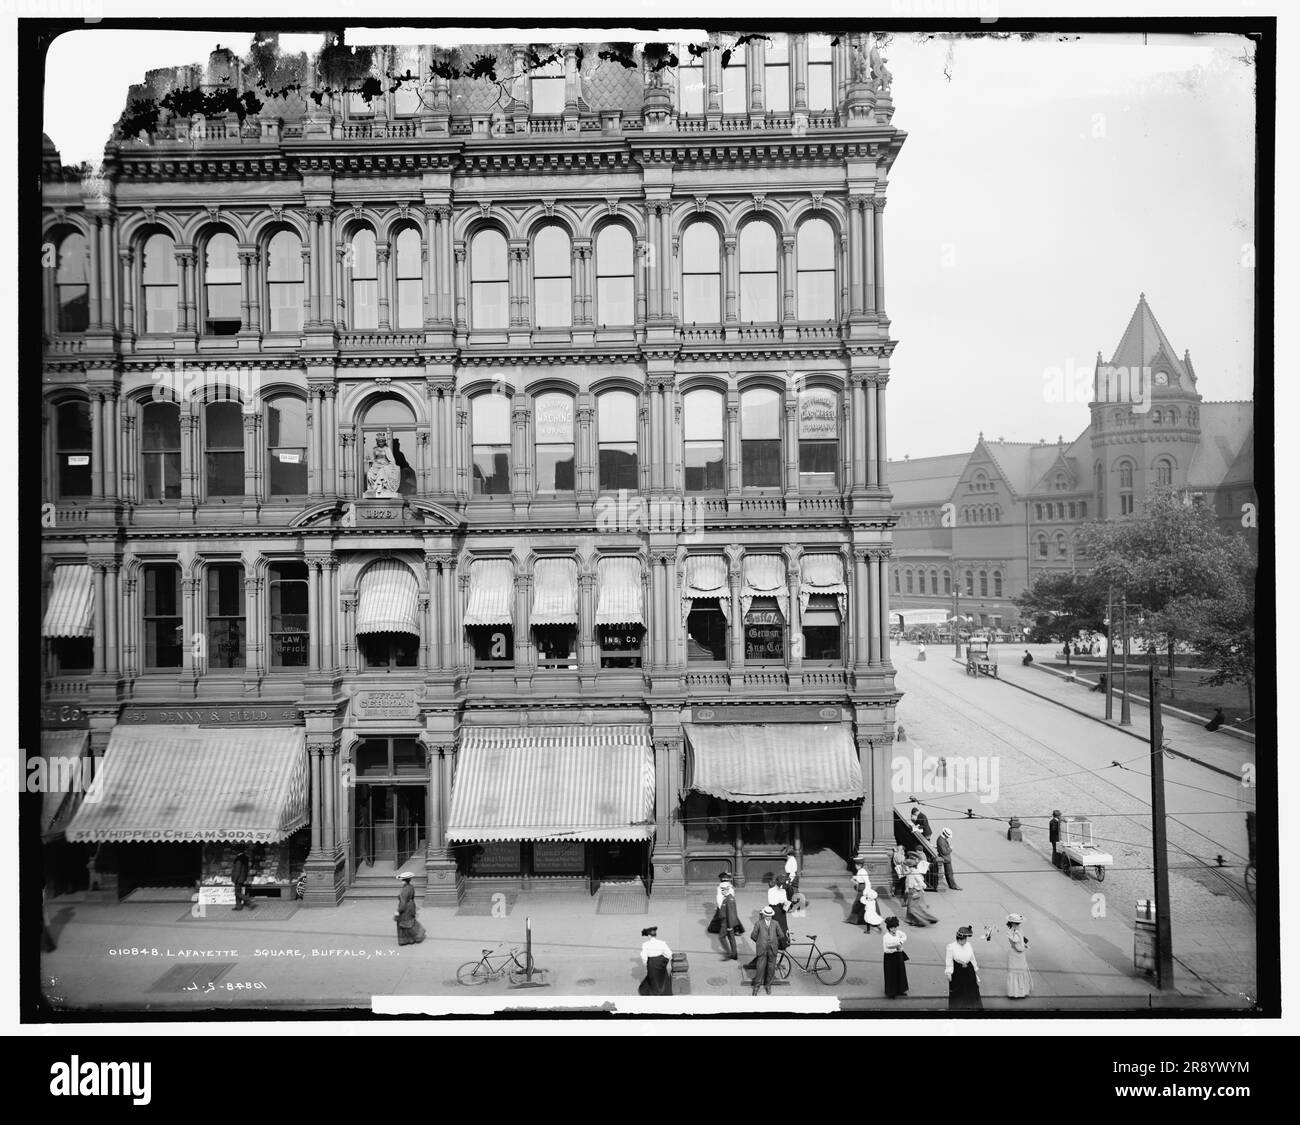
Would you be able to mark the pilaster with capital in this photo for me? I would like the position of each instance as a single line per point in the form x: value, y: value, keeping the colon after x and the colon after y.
x: 731, y: 279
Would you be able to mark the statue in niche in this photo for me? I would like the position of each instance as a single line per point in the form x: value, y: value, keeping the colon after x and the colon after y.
x: 881, y: 78
x: 383, y: 476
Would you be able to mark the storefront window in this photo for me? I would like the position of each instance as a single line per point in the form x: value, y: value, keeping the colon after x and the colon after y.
x: 287, y: 591
x: 821, y: 628
x: 491, y: 433
x: 553, y: 423
x: 389, y: 650
x: 764, y: 633
x: 702, y: 426
x: 73, y: 455
x: 620, y: 646
x: 494, y: 645
x: 162, y: 616
x: 223, y: 434
x: 286, y: 442
x: 160, y: 456
x: 226, y: 623
x: 221, y: 285
x: 706, y: 632
x: 760, y: 438
x: 616, y: 434
x: 557, y: 646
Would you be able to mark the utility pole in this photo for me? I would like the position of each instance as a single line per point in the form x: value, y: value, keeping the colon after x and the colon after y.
x: 1159, y: 848
x: 956, y: 620
x: 1110, y: 651
x: 1125, y: 718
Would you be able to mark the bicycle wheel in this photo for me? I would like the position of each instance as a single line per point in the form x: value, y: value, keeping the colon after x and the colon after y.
x: 1250, y: 881
x: 782, y: 966
x: 472, y: 973
x: 524, y: 963
x: 829, y: 968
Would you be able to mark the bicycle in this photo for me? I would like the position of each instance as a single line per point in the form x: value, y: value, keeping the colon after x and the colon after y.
x: 829, y: 968
x: 482, y: 970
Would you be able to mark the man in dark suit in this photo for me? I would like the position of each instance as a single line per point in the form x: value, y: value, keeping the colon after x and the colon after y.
x: 1054, y: 836
x: 767, y: 939
x: 944, y: 847
x: 239, y: 876
x: 920, y: 821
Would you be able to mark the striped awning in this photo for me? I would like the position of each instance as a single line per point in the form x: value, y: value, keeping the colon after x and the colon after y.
x: 186, y: 784
x: 822, y: 574
x: 553, y: 783
x: 706, y: 577
x: 71, y: 608
x: 785, y: 763
x: 67, y: 777
x: 620, y: 600
x: 764, y: 577
x: 491, y: 592
x: 388, y: 600
x: 555, y: 592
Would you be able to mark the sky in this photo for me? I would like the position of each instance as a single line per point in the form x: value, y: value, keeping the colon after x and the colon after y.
x: 1043, y: 185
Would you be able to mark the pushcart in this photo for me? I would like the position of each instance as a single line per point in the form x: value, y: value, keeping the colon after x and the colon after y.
x: 1079, y: 850
x: 981, y: 658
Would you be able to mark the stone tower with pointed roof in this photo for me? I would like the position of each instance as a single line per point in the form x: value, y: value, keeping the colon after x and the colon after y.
x: 1145, y: 416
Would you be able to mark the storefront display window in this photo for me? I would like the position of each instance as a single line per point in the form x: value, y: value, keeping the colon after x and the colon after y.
x: 764, y: 633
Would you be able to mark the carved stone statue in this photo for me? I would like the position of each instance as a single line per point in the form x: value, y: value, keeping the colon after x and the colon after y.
x: 861, y: 71
x: 383, y: 477
x: 881, y: 78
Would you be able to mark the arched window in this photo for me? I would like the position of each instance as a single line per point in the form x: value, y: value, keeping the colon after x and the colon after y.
x: 548, y: 89
x: 760, y: 438
x: 1126, y: 474
x: 388, y: 431
x: 815, y: 261
x: 690, y: 81
x: 970, y: 583
x: 71, y: 287
x: 221, y: 285
x: 979, y: 482
x: 553, y: 426
x: 1118, y: 417
x: 934, y: 581
x: 158, y: 277
x: 73, y: 441
x: 819, y: 446
x: 1062, y: 548
x: 702, y: 427
x: 1070, y: 509
x: 225, y: 621
x: 1164, y: 473
x: 223, y: 448
x: 701, y: 277
x: 819, y: 72
x: 1042, y: 546
x: 947, y: 581
x: 1061, y: 483
x: 364, y: 269
x: 160, y: 451
x: 284, y: 272
x: 289, y: 632
x: 759, y: 298
x: 1173, y: 416
x: 1060, y: 510
x: 1155, y: 417
x: 907, y: 580
x: 489, y: 284
x: 615, y: 292
x: 735, y: 88
x: 776, y: 72
x: 286, y: 446
x: 616, y: 419
x: 897, y: 589
x: 552, y: 273
x: 997, y: 583
x: 409, y: 278
x: 490, y: 422
x: 161, y: 616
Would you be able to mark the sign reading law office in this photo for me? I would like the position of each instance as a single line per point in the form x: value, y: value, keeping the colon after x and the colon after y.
x: 214, y: 715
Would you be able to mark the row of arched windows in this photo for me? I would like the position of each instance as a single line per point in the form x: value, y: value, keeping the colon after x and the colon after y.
x: 1044, y: 545
x: 155, y: 284
x: 910, y: 581
x: 983, y: 513
x: 1062, y: 510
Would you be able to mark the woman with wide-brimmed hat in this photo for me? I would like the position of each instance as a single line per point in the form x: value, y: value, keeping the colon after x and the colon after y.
x: 918, y: 914
x: 895, y: 959
x: 409, y: 931
x: 963, y: 972
x: 1018, y: 980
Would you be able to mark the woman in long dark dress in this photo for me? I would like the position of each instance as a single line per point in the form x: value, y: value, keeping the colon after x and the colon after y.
x: 658, y: 961
x: 409, y: 931
x: 963, y: 973
x: 895, y: 960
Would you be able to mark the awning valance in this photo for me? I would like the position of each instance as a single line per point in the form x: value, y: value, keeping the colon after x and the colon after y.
x: 553, y: 783
x: 186, y: 784
x: 822, y: 574
x: 764, y: 577
x: 388, y: 599
x: 71, y: 608
x: 555, y: 592
x: 67, y: 778
x: 706, y: 577
x: 776, y: 763
x: 620, y: 601
x: 491, y: 592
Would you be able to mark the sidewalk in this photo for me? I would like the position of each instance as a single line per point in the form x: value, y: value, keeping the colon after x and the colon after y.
x: 348, y: 957
x: 1220, y: 752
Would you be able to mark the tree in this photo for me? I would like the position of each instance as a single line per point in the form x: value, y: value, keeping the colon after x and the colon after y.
x: 1060, y: 605
x: 1173, y: 563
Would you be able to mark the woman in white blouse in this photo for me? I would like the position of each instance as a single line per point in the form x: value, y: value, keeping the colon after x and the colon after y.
x: 895, y: 960
x: 963, y: 972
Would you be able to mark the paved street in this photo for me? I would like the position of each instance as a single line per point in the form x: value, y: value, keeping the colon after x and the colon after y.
x: 1049, y: 757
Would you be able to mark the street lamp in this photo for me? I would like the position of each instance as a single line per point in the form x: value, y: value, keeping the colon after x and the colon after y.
x: 1110, y: 652
x: 956, y: 621
x: 1125, y: 719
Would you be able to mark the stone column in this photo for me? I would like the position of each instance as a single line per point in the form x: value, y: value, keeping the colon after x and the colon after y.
x: 314, y: 612
x: 791, y: 445
x: 426, y: 657
x: 107, y: 258
x: 525, y: 661
x: 730, y: 280
x: 308, y: 289
x: 99, y: 570
x: 383, y: 265
x: 755, y: 74
x: 855, y: 255
x: 184, y: 288
x: 878, y: 255
x: 733, y: 444
x: 882, y: 457
x: 736, y: 627
x: 128, y: 458
x: 656, y: 436
x: 329, y: 439
x: 871, y: 593
x: 247, y: 255
x: 585, y: 449
x: 442, y: 881
x: 126, y: 261
x: 461, y: 286
x: 95, y: 316
x: 451, y: 617
x: 713, y: 79
x: 434, y: 611
x: 871, y: 435
x: 666, y: 260
x: 194, y: 657
x: 519, y: 454
x: 328, y: 258
x: 97, y: 445
x: 787, y: 247
x: 588, y: 660
x: 325, y: 862
x: 799, y: 68
x: 795, y: 622
x: 882, y: 606
x: 189, y: 456
x: 317, y: 267
x: 576, y: 278
x: 870, y: 221
x: 330, y: 657
x: 252, y: 457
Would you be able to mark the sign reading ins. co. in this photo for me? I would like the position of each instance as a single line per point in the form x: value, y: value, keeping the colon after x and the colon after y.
x: 818, y: 416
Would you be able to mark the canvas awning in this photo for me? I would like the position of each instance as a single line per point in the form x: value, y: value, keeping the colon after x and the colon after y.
x: 553, y: 783
x: 775, y: 763
x: 620, y: 601
x: 706, y: 577
x: 822, y: 574
x: 67, y: 777
x: 764, y: 577
x: 388, y: 599
x: 70, y: 611
x: 491, y: 592
x: 555, y: 592
x: 186, y: 784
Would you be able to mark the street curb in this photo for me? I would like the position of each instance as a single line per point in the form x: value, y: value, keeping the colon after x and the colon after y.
x: 1111, y: 726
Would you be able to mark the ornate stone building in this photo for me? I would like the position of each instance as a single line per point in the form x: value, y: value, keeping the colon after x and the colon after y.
x: 486, y: 478
x: 985, y: 524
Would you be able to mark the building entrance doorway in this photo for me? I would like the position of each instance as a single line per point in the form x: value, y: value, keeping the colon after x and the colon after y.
x: 388, y: 827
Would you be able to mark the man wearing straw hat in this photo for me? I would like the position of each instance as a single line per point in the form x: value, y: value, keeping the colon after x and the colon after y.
x: 767, y: 948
